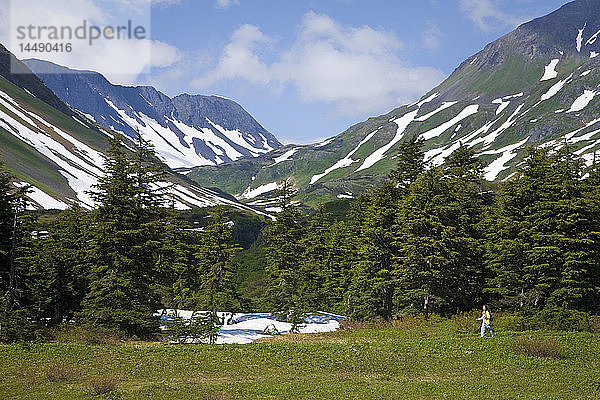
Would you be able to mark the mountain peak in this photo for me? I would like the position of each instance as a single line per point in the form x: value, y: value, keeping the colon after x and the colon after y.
x: 187, y: 130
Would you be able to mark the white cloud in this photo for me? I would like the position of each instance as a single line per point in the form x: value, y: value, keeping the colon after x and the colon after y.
x: 120, y: 60
x: 356, y: 70
x: 431, y: 37
x: 487, y: 14
x: 226, y: 3
x: 239, y: 59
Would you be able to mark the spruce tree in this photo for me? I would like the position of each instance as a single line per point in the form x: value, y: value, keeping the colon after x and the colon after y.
x: 125, y: 242
x: 214, y: 258
x: 438, y: 239
x: 314, y: 268
x: 58, y: 273
x: 284, y: 253
x: 372, y: 287
x: 543, y: 247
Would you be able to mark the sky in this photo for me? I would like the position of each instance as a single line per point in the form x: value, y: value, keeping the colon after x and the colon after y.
x: 305, y: 69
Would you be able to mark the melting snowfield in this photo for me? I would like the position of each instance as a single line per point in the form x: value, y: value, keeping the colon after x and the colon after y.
x: 246, y: 328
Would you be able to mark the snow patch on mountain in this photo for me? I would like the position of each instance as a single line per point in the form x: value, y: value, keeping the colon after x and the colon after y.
x: 426, y: 100
x: 593, y: 38
x: 346, y: 161
x: 492, y: 171
x: 555, y: 89
x: 378, y: 154
x: 42, y: 198
x: 444, y: 105
x: 284, y: 157
x: 466, y: 112
x: 579, y: 39
x: 549, y: 70
x: 252, y: 193
x: 582, y: 101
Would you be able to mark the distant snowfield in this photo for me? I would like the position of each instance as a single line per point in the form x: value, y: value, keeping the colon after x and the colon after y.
x: 246, y: 328
x: 550, y: 71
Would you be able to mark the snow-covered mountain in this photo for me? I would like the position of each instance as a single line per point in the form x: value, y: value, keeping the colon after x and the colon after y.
x: 186, y: 131
x: 58, y: 151
x: 538, y: 85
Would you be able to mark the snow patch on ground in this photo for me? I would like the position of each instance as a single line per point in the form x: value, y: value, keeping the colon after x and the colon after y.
x: 378, y: 154
x: 555, y: 89
x: 593, y: 54
x: 584, y: 73
x: 549, y: 70
x: 466, y: 112
x: 246, y: 328
x: 582, y: 101
x: 252, y: 193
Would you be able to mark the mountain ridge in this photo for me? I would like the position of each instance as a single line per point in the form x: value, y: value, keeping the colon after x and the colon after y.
x: 58, y: 151
x: 535, y: 85
x: 186, y: 130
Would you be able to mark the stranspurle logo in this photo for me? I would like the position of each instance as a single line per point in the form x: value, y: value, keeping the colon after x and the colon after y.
x: 111, y: 36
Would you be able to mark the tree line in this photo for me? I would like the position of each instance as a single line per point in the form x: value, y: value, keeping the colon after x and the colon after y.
x: 432, y: 239
x: 438, y: 239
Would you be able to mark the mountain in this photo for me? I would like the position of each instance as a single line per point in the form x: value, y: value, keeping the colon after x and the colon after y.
x: 186, y: 131
x: 58, y: 150
x: 538, y: 85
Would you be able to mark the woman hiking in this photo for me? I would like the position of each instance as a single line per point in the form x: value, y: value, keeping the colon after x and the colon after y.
x: 486, y: 319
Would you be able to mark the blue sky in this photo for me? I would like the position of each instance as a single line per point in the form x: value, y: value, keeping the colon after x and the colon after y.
x: 305, y: 69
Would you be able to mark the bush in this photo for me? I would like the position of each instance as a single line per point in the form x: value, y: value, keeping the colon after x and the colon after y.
x: 62, y: 373
x: 104, y: 384
x: 541, y: 348
x: 83, y: 334
x: 16, y: 327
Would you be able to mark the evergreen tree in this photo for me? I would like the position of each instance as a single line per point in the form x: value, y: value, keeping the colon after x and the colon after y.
x: 6, y: 228
x: 410, y: 163
x: 314, y: 269
x: 372, y: 287
x: 16, y: 228
x: 438, y: 239
x: 543, y: 248
x: 125, y: 243
x: 284, y: 253
x: 215, y: 262
x: 58, y: 273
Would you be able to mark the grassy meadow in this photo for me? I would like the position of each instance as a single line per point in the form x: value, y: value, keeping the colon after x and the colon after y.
x: 411, y: 359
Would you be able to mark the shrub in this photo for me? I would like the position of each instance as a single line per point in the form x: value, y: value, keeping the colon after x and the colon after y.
x: 83, y: 334
x: 62, y: 373
x: 537, y: 347
x: 104, y: 384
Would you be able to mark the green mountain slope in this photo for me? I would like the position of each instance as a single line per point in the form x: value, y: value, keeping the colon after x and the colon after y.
x: 59, y: 151
x: 537, y: 85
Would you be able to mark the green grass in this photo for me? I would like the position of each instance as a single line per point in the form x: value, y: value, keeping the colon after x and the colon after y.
x: 423, y: 362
